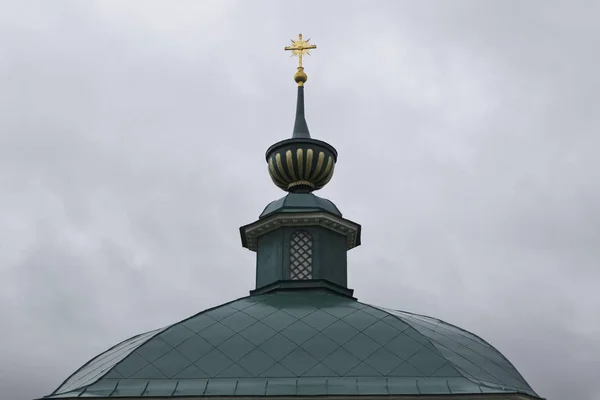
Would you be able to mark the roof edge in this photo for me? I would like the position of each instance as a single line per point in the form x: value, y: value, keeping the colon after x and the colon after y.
x: 56, y: 391
x: 365, y: 388
x: 476, y: 381
x: 158, y: 331
x: 486, y: 396
x: 483, y: 340
x: 309, y: 284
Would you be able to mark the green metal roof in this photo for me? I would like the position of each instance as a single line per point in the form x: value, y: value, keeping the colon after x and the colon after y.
x: 300, y: 202
x: 298, y: 343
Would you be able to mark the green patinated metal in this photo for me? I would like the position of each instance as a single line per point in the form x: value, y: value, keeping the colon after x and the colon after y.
x: 299, y: 342
x: 293, y: 168
x: 300, y: 125
x: 270, y: 266
x: 331, y: 261
x: 300, y: 332
x: 300, y: 202
x: 313, y: 284
x: 328, y: 262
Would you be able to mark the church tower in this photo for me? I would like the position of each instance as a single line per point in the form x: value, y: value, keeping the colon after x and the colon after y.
x: 301, y: 240
x: 300, y: 333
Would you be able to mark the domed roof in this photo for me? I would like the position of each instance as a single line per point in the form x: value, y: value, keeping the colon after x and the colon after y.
x: 300, y: 332
x: 300, y: 202
x: 308, y: 342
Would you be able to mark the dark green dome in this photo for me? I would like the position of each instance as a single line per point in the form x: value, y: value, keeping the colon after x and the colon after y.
x: 298, y: 343
x: 300, y: 202
x: 300, y: 332
x: 301, y: 164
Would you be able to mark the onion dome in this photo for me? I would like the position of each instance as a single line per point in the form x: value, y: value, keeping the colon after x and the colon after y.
x: 301, y: 164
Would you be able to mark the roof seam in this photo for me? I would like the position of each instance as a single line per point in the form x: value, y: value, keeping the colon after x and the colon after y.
x: 481, y: 382
x: 487, y: 358
x: 387, y: 389
x: 426, y: 338
x: 425, y: 332
x: 93, y: 359
x: 442, y: 366
x: 100, y: 376
x: 505, y: 388
x: 440, y: 325
x: 528, y: 388
x: 175, y: 389
x: 136, y: 371
x: 114, y: 389
x: 145, y: 388
x: 234, y: 362
x: 478, y: 337
x: 466, y: 359
x: 159, y: 331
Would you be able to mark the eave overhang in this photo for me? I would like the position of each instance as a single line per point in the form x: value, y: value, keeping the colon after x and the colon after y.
x: 251, y: 232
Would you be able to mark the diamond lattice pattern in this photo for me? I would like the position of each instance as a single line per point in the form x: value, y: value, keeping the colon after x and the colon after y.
x: 286, y: 337
x: 301, y: 256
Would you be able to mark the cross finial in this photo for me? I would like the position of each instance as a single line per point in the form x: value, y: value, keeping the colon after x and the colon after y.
x: 299, y: 48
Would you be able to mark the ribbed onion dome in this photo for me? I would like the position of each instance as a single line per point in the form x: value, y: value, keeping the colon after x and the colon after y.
x: 301, y: 164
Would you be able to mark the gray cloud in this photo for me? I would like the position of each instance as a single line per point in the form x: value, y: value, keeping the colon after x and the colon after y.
x: 132, y: 137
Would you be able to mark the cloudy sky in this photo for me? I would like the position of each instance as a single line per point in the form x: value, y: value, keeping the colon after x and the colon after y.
x: 132, y: 139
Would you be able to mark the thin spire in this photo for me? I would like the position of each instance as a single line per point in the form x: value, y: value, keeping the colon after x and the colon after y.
x: 300, y: 126
x: 301, y: 164
x: 299, y: 48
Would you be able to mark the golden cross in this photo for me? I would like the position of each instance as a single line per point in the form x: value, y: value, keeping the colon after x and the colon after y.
x: 299, y: 48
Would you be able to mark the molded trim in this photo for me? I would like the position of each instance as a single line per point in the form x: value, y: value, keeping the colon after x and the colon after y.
x: 304, y: 285
x: 251, y: 232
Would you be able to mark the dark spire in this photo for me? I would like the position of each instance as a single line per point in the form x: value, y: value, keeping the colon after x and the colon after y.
x: 301, y: 164
x: 300, y: 126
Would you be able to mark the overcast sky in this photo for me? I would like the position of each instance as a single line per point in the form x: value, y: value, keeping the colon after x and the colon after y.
x: 132, y: 140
